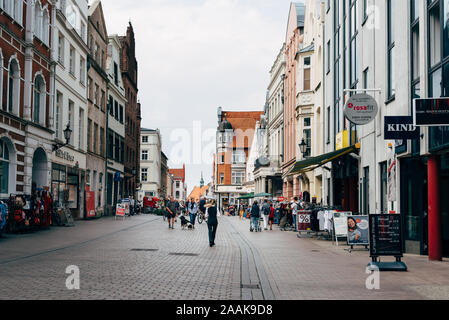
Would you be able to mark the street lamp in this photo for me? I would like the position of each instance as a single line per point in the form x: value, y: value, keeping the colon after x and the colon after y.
x: 303, y: 147
x: 67, y: 135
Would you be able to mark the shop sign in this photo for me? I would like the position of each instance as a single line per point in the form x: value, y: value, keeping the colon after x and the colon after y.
x: 358, y: 230
x: 65, y: 155
x: 342, y: 140
x: 361, y: 109
x: 400, y: 128
x: 431, y: 112
x: 385, y: 235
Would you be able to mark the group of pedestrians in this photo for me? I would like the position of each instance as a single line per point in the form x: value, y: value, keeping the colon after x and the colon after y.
x: 175, y: 208
x: 283, y: 213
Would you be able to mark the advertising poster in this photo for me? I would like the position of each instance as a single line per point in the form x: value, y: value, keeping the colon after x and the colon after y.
x: 90, y: 204
x: 358, y: 230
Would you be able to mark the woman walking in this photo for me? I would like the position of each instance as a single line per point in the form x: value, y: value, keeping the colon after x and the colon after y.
x: 193, y: 211
x: 212, y: 221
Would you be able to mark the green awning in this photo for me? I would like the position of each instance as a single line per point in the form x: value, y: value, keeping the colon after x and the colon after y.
x: 311, y: 164
x: 262, y: 195
x: 248, y: 196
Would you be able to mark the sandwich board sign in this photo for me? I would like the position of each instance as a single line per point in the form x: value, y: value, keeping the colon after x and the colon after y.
x: 340, y: 227
x: 120, y: 211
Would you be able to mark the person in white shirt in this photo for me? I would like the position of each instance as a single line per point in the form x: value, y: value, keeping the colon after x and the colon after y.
x: 295, y: 210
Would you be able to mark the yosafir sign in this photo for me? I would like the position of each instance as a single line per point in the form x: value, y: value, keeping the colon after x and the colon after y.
x: 361, y: 109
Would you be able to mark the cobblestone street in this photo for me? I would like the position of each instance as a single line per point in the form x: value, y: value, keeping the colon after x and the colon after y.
x: 140, y: 258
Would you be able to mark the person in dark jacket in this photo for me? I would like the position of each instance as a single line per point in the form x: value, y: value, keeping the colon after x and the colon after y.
x: 255, y: 215
x: 212, y: 221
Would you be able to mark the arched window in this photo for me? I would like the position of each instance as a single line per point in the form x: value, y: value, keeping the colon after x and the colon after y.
x: 13, y: 87
x: 18, y: 10
x: 46, y: 27
x: 38, y: 20
x: 7, y: 167
x: 39, y: 99
x: 4, y: 167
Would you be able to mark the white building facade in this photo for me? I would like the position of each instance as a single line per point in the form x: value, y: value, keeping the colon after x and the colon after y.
x: 150, y: 163
x: 70, y: 102
x: 400, y: 47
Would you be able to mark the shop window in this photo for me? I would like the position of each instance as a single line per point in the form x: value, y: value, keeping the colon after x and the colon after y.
x: 4, y: 167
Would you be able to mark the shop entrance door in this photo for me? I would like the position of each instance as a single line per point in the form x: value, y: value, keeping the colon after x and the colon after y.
x: 414, y: 205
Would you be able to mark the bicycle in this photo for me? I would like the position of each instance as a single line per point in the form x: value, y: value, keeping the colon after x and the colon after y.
x: 201, y: 217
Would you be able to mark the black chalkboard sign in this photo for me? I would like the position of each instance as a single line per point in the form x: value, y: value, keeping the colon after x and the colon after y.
x: 385, y: 235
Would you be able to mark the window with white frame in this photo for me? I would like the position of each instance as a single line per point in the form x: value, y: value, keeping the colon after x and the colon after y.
x: 45, y: 34
x: 81, y: 129
x: 71, y: 120
x: 39, y: 99
x: 238, y: 177
x: 307, y: 74
x: 144, y: 175
x: 72, y: 61
x: 82, y: 70
x: 144, y: 155
x: 61, y: 49
x: 238, y: 157
x: 13, y: 87
x: 58, y: 115
x: 145, y: 139
x: 307, y: 136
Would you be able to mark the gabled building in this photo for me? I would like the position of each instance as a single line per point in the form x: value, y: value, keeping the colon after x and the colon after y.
x: 293, y: 40
x: 150, y: 163
x: 97, y: 105
x: 115, y: 125
x: 179, y: 183
x: 235, y: 135
x: 129, y: 68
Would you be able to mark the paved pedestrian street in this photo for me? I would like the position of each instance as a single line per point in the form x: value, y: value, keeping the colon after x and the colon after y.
x: 140, y: 258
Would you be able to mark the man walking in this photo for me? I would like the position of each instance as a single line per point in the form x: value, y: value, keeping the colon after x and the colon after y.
x: 171, y: 213
x: 255, y: 215
x: 212, y: 221
x: 266, y: 212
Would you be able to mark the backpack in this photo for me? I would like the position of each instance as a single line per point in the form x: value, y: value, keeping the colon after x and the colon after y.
x: 266, y: 210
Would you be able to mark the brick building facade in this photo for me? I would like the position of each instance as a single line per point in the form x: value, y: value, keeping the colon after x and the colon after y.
x: 128, y: 66
x: 25, y: 83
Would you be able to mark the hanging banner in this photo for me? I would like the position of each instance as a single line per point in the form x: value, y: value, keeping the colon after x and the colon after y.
x: 392, y: 167
x: 400, y: 128
x: 361, y: 109
x: 431, y: 112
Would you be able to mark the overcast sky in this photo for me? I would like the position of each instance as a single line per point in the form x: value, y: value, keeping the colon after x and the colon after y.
x: 196, y: 55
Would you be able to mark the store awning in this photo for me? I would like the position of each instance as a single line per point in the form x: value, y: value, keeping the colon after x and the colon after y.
x: 262, y: 195
x: 248, y: 196
x: 311, y: 164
